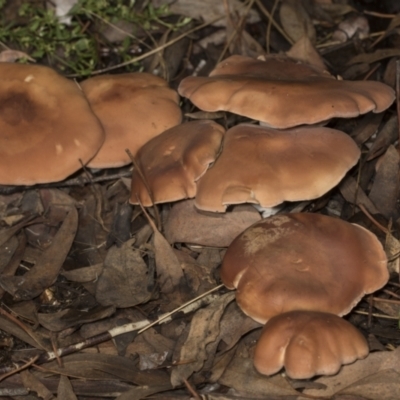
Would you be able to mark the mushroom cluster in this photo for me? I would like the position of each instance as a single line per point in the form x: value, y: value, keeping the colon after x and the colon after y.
x: 56, y: 126
x: 264, y: 165
x: 297, y: 273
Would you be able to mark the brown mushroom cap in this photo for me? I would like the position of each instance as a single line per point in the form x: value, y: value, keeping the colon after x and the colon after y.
x: 303, y: 262
x: 133, y: 108
x: 173, y: 162
x: 308, y: 343
x: 282, y: 92
x: 265, y: 166
x: 47, y: 129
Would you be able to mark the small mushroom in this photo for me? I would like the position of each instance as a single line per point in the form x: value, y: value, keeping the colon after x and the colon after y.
x: 265, y: 166
x: 303, y: 262
x: 283, y: 93
x: 172, y: 163
x: 47, y: 129
x: 308, y: 343
x: 133, y: 108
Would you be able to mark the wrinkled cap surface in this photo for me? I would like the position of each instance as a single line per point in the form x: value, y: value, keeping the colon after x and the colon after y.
x: 282, y: 92
x: 308, y: 343
x: 303, y: 262
x: 47, y: 129
x: 265, y: 166
x: 173, y: 162
x: 133, y: 108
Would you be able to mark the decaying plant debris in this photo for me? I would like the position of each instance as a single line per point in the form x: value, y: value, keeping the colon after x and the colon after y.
x: 103, y: 299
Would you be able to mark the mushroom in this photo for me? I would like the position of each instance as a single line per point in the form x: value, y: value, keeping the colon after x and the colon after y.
x: 283, y: 93
x: 303, y: 262
x: 47, y: 129
x: 308, y: 343
x: 133, y: 108
x: 265, y: 166
x: 172, y: 162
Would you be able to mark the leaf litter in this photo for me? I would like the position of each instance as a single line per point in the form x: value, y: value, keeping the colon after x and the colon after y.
x: 83, y: 272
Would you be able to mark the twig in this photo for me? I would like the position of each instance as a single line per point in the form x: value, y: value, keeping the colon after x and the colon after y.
x: 268, y: 33
x: 376, y: 315
x: 140, y: 326
x: 20, y: 368
x: 151, y: 52
x: 273, y: 22
x: 372, y: 219
x: 146, y: 185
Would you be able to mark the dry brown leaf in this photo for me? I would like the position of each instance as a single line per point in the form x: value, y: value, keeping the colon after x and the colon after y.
x: 141, y: 392
x: 64, y: 319
x: 387, y: 135
x: 295, y: 20
x: 352, y: 193
x: 32, y: 383
x: 14, y: 55
x: 169, y: 272
x: 45, y: 272
x: 108, y: 367
x: 242, y: 376
x: 384, y: 191
x: 125, y: 280
x: 305, y: 51
x: 350, y: 375
x: 188, y: 225
x: 204, y: 329
x: 377, y: 55
x: 84, y: 274
x: 392, y: 249
x: 65, y: 390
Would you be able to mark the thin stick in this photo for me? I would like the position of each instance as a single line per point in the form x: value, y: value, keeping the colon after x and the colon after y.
x: 377, y: 315
x: 20, y: 368
x: 268, y: 33
x: 273, y: 22
x: 146, y: 185
x: 372, y: 219
x: 151, y: 52
x: 140, y: 326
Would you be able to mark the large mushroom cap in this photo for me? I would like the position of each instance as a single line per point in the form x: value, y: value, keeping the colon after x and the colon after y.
x: 303, y: 262
x: 283, y: 93
x: 47, y: 129
x: 133, y: 108
x: 173, y: 162
x: 265, y: 166
x: 308, y: 343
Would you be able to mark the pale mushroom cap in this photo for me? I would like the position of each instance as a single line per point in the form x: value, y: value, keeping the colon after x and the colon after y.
x: 265, y: 166
x: 133, y: 108
x: 308, y: 343
x: 283, y: 93
x: 173, y: 162
x: 303, y: 262
x: 47, y: 129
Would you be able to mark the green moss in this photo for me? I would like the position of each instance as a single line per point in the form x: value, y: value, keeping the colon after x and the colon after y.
x: 76, y: 48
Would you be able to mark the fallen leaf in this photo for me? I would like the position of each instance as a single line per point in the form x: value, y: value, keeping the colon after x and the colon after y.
x: 126, y: 280
x: 385, y: 188
x: 305, y: 51
x: 68, y: 318
x: 204, y: 329
x: 45, y: 272
x: 185, y: 224
x: 65, y: 390
x: 377, y: 55
x: 295, y: 20
x: 349, y: 375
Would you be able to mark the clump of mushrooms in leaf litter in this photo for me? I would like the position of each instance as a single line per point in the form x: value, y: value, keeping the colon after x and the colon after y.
x: 295, y: 273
